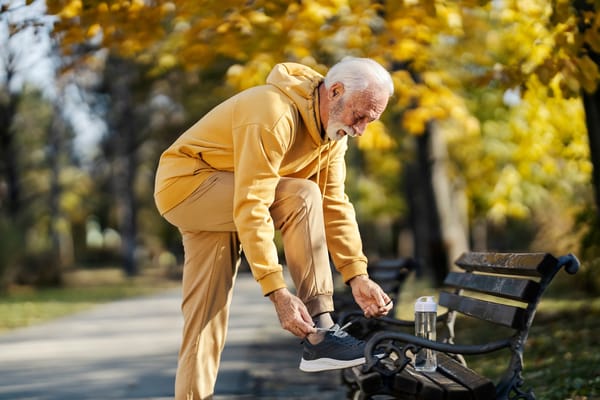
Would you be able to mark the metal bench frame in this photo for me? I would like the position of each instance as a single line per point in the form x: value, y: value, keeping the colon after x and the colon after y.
x: 397, y: 345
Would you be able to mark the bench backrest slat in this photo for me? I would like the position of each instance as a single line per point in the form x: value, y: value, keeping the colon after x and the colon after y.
x: 390, y: 269
x: 506, y: 287
x: 386, y: 275
x: 524, y: 264
x: 509, y: 316
x: 390, y: 274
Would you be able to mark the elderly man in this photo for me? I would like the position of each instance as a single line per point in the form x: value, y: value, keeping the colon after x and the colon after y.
x: 272, y: 158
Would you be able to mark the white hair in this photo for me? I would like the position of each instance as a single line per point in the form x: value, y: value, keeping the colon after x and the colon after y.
x: 358, y: 74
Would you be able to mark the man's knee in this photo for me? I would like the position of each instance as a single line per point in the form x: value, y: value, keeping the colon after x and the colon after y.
x: 305, y: 190
x: 296, y: 199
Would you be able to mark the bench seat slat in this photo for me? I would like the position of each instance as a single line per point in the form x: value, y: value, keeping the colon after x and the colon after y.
x: 524, y: 264
x: 406, y: 385
x: 508, y: 288
x: 427, y: 389
x: 510, y: 316
x: 479, y: 386
x: 453, y: 390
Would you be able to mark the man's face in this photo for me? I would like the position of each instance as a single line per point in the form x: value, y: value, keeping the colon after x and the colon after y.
x: 350, y: 113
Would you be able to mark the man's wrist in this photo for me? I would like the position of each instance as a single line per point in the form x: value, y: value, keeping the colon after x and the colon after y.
x: 357, y: 278
x: 277, y: 294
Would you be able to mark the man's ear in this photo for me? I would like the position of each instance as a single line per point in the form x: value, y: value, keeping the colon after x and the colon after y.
x: 336, y: 90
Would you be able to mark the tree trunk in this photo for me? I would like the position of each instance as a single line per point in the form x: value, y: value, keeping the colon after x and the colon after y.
x: 12, y: 235
x: 438, y: 210
x: 591, y: 103
x: 9, y: 168
x: 61, y: 251
x: 123, y: 132
x: 425, y: 219
x: 450, y: 201
x: 129, y: 225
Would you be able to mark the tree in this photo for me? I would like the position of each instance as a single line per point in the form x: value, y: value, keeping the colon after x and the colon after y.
x: 18, y: 24
x: 450, y: 60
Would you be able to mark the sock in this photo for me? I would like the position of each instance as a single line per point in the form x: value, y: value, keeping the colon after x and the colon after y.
x: 324, y: 321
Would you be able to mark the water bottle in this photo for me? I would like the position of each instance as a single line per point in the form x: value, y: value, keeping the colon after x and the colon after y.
x: 425, y: 318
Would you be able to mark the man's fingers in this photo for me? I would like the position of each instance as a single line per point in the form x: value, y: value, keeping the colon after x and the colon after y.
x: 306, y: 316
x: 307, y: 325
x: 389, y: 306
x: 308, y: 329
x: 387, y: 299
x: 383, y: 298
x: 301, y: 329
x: 386, y: 309
x: 374, y: 310
x: 371, y: 311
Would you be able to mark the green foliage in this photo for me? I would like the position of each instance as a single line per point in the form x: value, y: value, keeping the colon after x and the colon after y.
x: 559, y: 362
x: 588, y: 224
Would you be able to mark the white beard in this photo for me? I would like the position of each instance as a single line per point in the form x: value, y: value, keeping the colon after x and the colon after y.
x: 336, y: 130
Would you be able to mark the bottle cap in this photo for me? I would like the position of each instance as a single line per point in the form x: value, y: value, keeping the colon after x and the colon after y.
x: 426, y: 304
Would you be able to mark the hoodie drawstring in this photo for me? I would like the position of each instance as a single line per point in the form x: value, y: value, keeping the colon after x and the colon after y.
x: 326, y: 170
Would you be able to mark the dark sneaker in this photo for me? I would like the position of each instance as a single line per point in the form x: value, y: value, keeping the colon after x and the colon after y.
x: 338, y: 350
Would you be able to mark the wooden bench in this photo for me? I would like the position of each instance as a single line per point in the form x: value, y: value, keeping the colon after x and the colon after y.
x: 390, y: 274
x: 502, y: 289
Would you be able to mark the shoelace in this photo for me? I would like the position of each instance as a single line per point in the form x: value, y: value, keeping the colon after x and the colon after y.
x: 336, y: 329
x: 340, y: 334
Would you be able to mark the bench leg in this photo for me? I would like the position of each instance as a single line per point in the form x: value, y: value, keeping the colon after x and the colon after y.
x: 511, y: 389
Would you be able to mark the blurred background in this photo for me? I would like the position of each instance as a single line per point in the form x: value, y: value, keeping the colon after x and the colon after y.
x: 491, y: 141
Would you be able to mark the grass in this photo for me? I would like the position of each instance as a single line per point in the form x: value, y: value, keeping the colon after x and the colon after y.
x: 22, y: 306
x: 562, y: 355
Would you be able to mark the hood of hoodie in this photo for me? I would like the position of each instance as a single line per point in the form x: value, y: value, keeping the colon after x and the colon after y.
x: 300, y: 84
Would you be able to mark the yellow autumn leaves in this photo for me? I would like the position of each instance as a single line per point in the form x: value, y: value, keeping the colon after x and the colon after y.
x: 446, y: 58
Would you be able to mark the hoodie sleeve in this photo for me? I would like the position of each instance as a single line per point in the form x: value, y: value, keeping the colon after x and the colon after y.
x: 259, y: 150
x: 343, y: 236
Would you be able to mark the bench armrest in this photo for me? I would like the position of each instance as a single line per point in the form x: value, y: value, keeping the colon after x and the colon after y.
x: 439, y: 346
x: 346, y: 317
x: 399, y: 342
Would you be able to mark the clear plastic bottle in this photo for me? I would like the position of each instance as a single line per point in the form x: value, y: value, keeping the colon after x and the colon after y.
x: 425, y: 319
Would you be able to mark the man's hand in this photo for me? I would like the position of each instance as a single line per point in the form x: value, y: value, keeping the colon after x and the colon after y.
x: 370, y: 297
x: 292, y: 313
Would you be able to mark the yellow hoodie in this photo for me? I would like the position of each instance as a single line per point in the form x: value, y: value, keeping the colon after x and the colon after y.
x: 262, y: 134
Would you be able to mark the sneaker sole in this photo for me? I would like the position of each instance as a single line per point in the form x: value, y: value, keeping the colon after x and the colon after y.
x: 327, y: 364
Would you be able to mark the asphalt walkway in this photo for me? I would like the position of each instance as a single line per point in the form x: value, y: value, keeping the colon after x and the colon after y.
x: 128, y: 350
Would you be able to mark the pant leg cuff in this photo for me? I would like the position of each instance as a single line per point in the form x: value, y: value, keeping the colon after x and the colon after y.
x: 319, y: 304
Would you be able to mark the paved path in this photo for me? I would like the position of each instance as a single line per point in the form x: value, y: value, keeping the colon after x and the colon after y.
x: 128, y: 350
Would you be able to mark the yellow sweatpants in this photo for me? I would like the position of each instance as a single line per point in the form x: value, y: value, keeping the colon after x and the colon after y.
x: 212, y: 253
